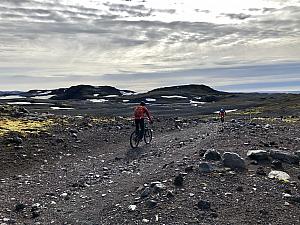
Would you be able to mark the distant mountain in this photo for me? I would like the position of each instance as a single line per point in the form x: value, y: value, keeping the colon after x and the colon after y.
x: 179, y: 94
x: 5, y: 93
x: 82, y: 92
x: 187, y: 90
x: 183, y: 94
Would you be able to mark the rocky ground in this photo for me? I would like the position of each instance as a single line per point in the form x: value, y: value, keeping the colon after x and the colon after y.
x: 80, y: 170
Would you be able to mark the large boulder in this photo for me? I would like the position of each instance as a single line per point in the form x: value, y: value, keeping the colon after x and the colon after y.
x: 280, y: 175
x: 284, y: 156
x: 258, y: 155
x: 233, y: 161
x: 205, y: 167
x: 212, y: 154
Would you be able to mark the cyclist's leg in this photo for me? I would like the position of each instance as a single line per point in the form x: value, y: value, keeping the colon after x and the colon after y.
x: 137, y: 126
x: 142, y: 124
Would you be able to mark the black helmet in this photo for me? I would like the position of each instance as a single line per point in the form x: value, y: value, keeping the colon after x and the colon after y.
x: 142, y: 103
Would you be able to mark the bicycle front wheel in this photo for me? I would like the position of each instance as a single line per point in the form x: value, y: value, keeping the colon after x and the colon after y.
x: 134, y: 140
x: 148, y: 136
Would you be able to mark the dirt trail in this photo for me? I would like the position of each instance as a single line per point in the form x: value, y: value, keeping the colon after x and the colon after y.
x: 99, y: 176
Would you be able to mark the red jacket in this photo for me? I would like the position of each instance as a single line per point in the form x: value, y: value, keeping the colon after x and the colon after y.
x: 140, y: 111
x: 222, y: 113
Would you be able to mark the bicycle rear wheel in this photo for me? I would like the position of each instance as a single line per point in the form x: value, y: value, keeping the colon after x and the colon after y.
x: 148, y: 136
x: 134, y: 140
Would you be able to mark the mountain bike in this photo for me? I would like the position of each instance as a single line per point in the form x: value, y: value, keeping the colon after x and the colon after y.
x: 135, y: 139
x: 222, y: 118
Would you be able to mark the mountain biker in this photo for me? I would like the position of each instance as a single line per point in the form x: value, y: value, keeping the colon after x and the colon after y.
x: 222, y: 114
x: 139, y: 119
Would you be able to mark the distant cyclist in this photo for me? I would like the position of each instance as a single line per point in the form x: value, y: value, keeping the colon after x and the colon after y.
x: 222, y: 114
x: 139, y: 118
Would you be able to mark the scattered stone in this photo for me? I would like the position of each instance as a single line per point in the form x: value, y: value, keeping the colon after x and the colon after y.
x: 158, y: 187
x: 240, y: 189
x: 263, y: 212
x: 203, y: 205
x: 178, y: 181
x: 19, y: 147
x: 146, y: 192
x: 212, y: 155
x: 35, y: 207
x: 35, y: 214
x: 19, y: 207
x: 294, y: 198
x: 277, y: 165
x: 15, y: 140
x: 258, y: 155
x: 202, y: 152
x: 205, y: 167
x: 132, y: 208
x: 260, y: 171
x: 233, y: 161
x: 284, y: 156
x: 267, y: 126
x: 280, y: 175
x: 189, y: 169
x: 151, y: 203
x: 145, y: 221
x: 170, y: 194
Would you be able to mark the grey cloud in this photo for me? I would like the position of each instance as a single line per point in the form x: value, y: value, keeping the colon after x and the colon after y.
x: 136, y: 10
x: 16, y: 2
x: 254, y: 9
x: 170, y: 11
x: 268, y: 10
x: 203, y: 11
x: 239, y: 16
x: 10, y: 16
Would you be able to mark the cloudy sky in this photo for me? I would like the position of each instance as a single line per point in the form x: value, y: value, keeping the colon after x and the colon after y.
x: 232, y: 45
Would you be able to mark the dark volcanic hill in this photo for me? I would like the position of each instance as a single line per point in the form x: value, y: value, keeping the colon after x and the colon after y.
x: 182, y: 93
x: 84, y: 92
x: 186, y: 90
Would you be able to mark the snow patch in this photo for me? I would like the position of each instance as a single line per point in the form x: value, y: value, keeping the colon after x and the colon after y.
x: 150, y: 99
x: 197, y: 102
x: 174, y: 96
x: 60, y: 108
x: 43, y: 96
x: 125, y: 93
x: 228, y: 111
x: 27, y: 103
x: 8, y: 97
x: 98, y: 100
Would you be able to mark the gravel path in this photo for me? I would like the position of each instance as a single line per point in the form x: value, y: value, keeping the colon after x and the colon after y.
x: 91, y: 176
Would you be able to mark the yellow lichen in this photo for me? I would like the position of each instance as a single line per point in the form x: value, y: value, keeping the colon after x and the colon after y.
x: 23, y: 126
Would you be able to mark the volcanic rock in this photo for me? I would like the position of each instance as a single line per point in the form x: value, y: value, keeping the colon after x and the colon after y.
x: 212, y: 155
x: 233, y: 161
x: 257, y: 155
x: 284, y: 156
